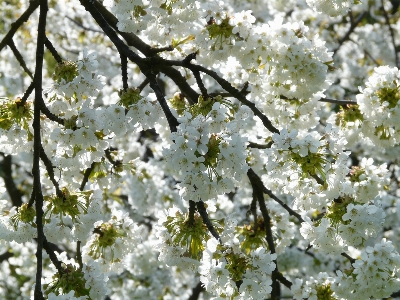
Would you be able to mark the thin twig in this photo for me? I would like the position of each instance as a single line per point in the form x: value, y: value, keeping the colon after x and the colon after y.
x: 12, y: 190
x: 49, y: 167
x: 352, y: 260
x: 226, y: 86
x: 134, y: 41
x: 53, y: 51
x: 18, y: 23
x: 351, y: 29
x: 27, y: 93
x: 20, y: 59
x: 339, y: 102
x: 206, y: 220
x: 366, y: 53
x: 192, y: 210
x: 83, y: 26
x: 269, y: 193
x: 86, y: 176
x: 260, y: 146
x: 124, y: 71
x: 200, y: 84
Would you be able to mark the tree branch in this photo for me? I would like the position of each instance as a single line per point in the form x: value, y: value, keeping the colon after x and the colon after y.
x: 6, y: 255
x: 19, y: 57
x: 134, y: 41
x: 206, y: 220
x: 258, y: 194
x: 269, y: 193
x: 339, y: 102
x: 12, y: 190
x: 18, y: 23
x: 49, y: 167
x: 352, y: 260
x: 53, y: 51
x: 226, y: 86
x: 196, y: 291
x: 37, y: 147
x: 351, y: 29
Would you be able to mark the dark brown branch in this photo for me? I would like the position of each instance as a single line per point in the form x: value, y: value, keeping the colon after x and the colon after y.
x: 228, y: 87
x: 351, y: 29
x: 44, y: 109
x: 134, y: 41
x: 200, y: 84
x: 79, y: 254
x: 395, y: 295
x: 53, y: 51
x: 12, y: 189
x: 27, y: 93
x: 50, y: 171
x: 162, y: 49
x: 83, y: 26
x: 143, y: 84
x: 19, y: 57
x: 49, y: 247
x: 282, y: 279
x: 172, y: 121
x: 206, y: 220
x: 37, y: 147
x: 196, y: 291
x: 259, y: 195
x: 6, y: 255
x: 86, y: 176
x: 192, y: 210
x: 253, y: 209
x: 339, y: 102
x: 191, y: 95
x: 124, y: 71
x: 18, y: 23
x: 317, y: 179
x: 284, y: 205
x: 352, y: 260
x: 269, y: 193
x: 260, y: 146
x: 145, y: 65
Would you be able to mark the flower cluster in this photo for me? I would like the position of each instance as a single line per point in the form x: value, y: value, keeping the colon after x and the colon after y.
x: 78, y: 79
x: 209, y: 150
x: 222, y: 267
x: 296, y: 157
x: 332, y: 8
x: 375, y: 274
x: 368, y: 180
x: 346, y: 224
x: 314, y: 288
x: 182, y: 238
x: 110, y: 241
x: 380, y: 106
x: 245, y: 84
